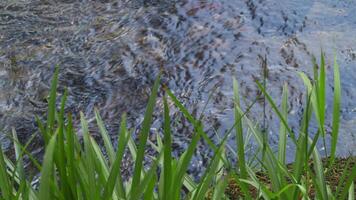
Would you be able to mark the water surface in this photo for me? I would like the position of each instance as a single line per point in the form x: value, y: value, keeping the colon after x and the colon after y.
x: 110, y: 52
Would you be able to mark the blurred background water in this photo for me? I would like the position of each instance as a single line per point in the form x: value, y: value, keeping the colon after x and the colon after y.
x: 111, y: 51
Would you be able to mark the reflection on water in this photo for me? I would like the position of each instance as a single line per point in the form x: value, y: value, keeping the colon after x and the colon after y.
x: 110, y: 52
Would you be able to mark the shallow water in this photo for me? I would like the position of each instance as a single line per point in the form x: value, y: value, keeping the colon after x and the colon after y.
x: 110, y: 52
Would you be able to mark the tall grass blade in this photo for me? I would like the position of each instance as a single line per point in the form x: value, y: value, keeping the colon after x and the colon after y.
x: 336, y: 110
x: 143, y: 138
x: 52, y: 104
x: 18, y: 155
x: 5, y: 186
x: 60, y: 152
x: 191, y: 119
x: 149, y: 193
x: 105, y: 136
x: 210, y: 172
x: 219, y: 190
x: 167, y: 159
x: 70, y: 154
x: 321, y: 89
x: 182, y: 167
x: 47, y: 177
x: 319, y: 175
x: 276, y: 110
x: 89, y: 157
x: 352, y: 191
x: 147, y: 178
x: 115, y: 176
x: 282, y: 130
x: 188, y: 183
x: 239, y: 132
x: 100, y: 161
x: 350, y: 180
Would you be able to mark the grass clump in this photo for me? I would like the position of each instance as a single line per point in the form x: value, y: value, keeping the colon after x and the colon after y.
x: 79, y: 169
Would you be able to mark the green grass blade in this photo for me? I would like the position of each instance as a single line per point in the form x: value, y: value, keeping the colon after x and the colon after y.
x: 183, y: 166
x: 286, y: 189
x: 239, y: 133
x: 18, y: 154
x: 89, y: 158
x: 132, y: 148
x: 210, y: 172
x: 188, y: 183
x: 351, y: 179
x: 42, y: 129
x: 271, y: 163
x: 276, y: 110
x: 322, y: 91
x: 191, y: 119
x: 101, y: 164
x: 149, y: 193
x: 315, y: 100
x: 343, y: 177
x: 255, y: 182
x: 82, y: 178
x: 52, y: 103
x: 282, y: 130
x: 105, y: 136
x: 195, y: 123
x: 302, y: 156
x: 336, y: 111
x: 147, y: 179
x: 319, y: 175
x: 47, y: 177
x: 115, y: 176
x: 167, y: 159
x: 352, y: 191
x: 70, y: 154
x: 5, y: 186
x: 143, y: 136
x: 219, y: 190
x: 60, y: 153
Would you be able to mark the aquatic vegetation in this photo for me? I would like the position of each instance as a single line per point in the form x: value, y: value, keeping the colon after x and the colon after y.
x: 78, y: 168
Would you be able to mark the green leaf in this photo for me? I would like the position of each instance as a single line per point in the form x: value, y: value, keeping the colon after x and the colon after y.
x: 167, y: 160
x: 349, y: 182
x: 210, y: 172
x: 282, y: 143
x: 52, y: 104
x: 105, y: 136
x: 219, y: 190
x: 47, y: 177
x: 239, y: 132
x: 6, y: 188
x: 143, y: 136
x: 322, y: 92
x: 336, y: 111
x: 276, y: 110
x: 319, y: 175
x: 149, y: 193
x: 191, y: 119
x: 18, y: 154
x: 147, y: 179
x: 115, y: 176
x: 182, y: 167
x: 352, y: 191
x: 89, y: 156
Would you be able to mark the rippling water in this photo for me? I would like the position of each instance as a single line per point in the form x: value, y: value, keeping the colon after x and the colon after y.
x: 110, y: 52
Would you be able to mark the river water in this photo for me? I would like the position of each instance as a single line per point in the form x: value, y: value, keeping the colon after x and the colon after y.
x: 111, y: 51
